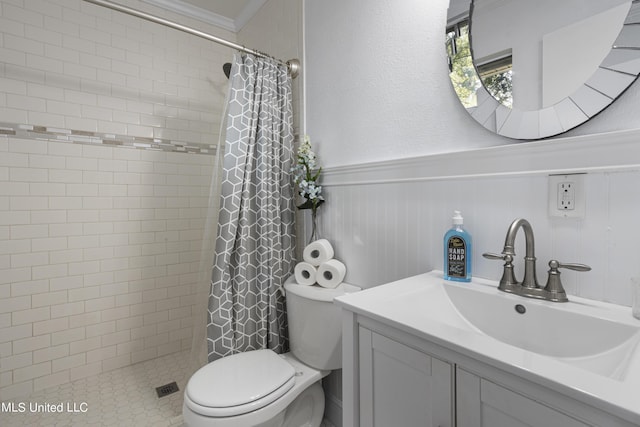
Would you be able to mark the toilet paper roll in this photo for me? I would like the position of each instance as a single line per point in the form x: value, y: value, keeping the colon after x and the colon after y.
x: 331, y: 273
x: 305, y: 273
x: 317, y: 252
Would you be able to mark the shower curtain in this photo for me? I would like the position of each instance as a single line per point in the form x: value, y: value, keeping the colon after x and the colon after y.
x: 255, y: 244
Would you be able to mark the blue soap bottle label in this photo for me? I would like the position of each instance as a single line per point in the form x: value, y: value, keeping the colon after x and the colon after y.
x: 456, y: 257
x: 457, y: 252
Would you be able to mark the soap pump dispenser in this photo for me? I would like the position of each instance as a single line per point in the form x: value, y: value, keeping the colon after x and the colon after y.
x: 457, y: 251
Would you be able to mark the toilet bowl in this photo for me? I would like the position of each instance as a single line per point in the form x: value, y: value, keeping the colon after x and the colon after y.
x: 265, y: 389
x: 251, y: 399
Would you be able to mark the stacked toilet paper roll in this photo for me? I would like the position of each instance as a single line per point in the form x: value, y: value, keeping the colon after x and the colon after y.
x: 319, y: 266
x: 317, y: 252
x: 331, y: 273
x: 305, y: 273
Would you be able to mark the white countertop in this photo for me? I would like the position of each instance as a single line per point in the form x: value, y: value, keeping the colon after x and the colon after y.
x: 414, y: 305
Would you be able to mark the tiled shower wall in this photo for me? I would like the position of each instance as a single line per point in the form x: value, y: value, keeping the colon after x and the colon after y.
x: 99, y: 255
x: 100, y: 242
x: 74, y: 65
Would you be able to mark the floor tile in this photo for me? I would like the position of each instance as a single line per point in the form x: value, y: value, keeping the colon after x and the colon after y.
x: 120, y: 398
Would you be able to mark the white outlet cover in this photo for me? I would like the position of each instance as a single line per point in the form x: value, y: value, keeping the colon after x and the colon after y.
x: 577, y: 182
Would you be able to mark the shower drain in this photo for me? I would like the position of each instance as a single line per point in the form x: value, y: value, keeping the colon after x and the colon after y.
x: 167, y: 389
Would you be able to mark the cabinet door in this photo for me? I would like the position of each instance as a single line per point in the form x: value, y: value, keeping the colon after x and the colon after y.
x: 401, y: 386
x: 481, y: 403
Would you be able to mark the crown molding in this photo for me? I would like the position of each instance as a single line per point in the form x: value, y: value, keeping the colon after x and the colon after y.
x: 252, y: 7
x: 191, y: 11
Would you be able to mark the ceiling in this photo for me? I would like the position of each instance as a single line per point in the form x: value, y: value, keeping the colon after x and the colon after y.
x: 231, y: 15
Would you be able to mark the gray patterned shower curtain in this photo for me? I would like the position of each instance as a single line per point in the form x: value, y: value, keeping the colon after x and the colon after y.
x: 255, y: 245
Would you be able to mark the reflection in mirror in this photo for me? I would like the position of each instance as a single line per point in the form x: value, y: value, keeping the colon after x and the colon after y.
x: 461, y: 70
x: 530, y: 70
x: 497, y: 77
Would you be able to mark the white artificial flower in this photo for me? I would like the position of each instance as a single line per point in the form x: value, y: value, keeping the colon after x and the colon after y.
x: 306, y: 175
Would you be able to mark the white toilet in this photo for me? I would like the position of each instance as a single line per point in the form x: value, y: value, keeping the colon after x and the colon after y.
x: 262, y: 388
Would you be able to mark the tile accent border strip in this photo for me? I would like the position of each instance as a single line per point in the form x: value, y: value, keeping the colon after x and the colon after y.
x: 47, y: 133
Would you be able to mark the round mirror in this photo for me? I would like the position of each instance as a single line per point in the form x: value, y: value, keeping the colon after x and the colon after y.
x: 531, y: 70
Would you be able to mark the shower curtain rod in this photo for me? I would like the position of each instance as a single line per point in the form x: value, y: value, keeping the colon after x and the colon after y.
x: 293, y: 64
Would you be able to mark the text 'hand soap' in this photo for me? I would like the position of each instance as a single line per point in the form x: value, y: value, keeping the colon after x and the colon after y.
x: 457, y: 251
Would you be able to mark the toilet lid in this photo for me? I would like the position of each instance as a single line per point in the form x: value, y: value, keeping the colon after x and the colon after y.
x: 240, y: 383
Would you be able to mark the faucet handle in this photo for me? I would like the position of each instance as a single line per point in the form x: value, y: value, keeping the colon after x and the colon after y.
x: 554, y: 285
x: 508, y: 280
x: 555, y: 265
x: 499, y: 257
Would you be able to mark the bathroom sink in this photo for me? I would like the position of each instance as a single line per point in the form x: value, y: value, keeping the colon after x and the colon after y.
x: 590, y: 335
x: 571, y: 332
x: 585, y: 349
x: 542, y: 328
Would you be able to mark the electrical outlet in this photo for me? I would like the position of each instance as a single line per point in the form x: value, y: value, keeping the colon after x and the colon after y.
x: 566, y: 196
x: 566, y: 193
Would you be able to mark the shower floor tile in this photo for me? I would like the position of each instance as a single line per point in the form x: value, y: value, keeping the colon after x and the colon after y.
x: 123, y: 397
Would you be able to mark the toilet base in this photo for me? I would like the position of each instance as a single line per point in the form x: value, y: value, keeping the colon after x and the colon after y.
x: 307, y: 409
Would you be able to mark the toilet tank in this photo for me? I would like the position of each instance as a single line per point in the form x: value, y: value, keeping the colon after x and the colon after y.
x: 315, y: 323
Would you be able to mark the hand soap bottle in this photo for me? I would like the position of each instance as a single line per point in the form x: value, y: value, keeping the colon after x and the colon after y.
x: 457, y: 251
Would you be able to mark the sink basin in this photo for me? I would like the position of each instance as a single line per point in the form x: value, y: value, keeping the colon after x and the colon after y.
x: 590, y: 335
x: 570, y: 332
x: 540, y: 328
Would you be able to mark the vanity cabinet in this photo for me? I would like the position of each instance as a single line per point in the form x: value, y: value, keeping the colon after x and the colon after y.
x: 401, y: 386
x: 481, y: 403
x: 394, y: 378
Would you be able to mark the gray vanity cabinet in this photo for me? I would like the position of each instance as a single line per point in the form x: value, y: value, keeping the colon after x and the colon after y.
x: 392, y: 377
x: 481, y: 403
x: 401, y: 386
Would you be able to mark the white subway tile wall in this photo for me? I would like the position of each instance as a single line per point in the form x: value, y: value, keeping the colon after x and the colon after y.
x: 74, y: 65
x: 108, y: 278
x: 100, y: 242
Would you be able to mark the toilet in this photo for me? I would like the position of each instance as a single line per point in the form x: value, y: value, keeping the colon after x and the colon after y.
x: 265, y: 389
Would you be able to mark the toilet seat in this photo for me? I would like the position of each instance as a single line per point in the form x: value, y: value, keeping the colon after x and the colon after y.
x: 239, y: 384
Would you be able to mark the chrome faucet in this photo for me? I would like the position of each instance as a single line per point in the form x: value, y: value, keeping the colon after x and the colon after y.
x: 529, y: 287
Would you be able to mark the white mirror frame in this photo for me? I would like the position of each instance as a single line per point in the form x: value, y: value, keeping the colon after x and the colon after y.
x: 619, y: 69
